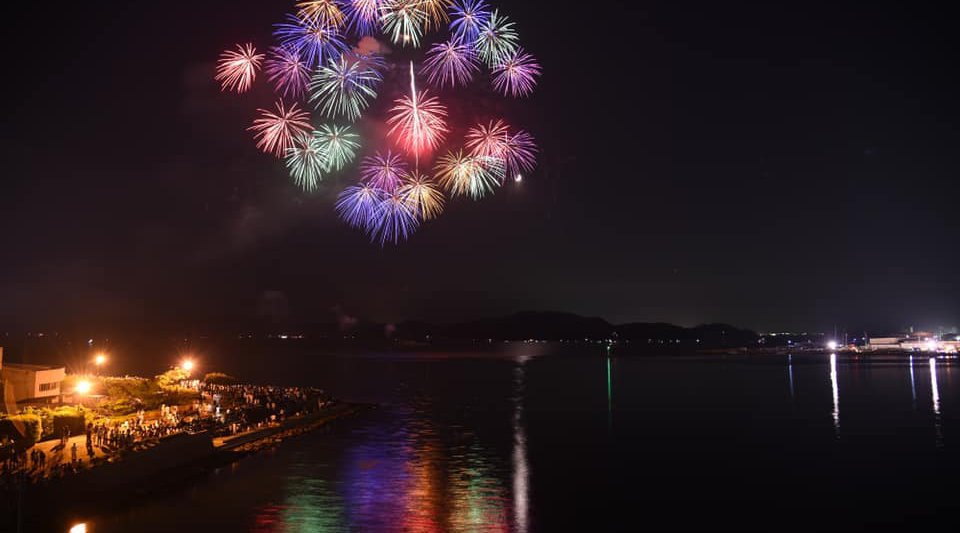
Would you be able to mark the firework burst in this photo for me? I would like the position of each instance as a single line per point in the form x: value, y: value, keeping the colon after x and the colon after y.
x: 383, y: 171
x: 396, y: 220
x: 516, y: 74
x: 287, y: 72
x: 468, y: 17
x: 236, y: 69
x: 403, y: 21
x: 497, y: 39
x: 313, y: 40
x: 359, y: 206
x: 306, y: 162
x: 344, y: 87
x: 339, y: 145
x: 422, y: 195
x: 325, y: 12
x: 418, y: 121
x: 362, y: 16
x: 516, y: 152
x: 487, y: 139
x: 451, y: 63
x: 468, y: 175
x: 435, y: 12
x: 275, y: 132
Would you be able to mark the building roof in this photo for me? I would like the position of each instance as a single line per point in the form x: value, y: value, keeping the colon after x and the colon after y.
x: 35, y: 368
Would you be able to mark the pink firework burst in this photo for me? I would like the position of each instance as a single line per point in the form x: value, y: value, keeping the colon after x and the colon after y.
x: 516, y: 152
x: 517, y: 74
x: 418, y: 121
x: 236, y: 69
x: 383, y: 171
x: 275, y: 132
x: 287, y: 71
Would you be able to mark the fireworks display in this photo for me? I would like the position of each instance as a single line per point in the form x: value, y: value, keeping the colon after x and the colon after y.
x: 287, y: 72
x: 450, y: 63
x: 333, y: 55
x: 516, y: 74
x: 275, y: 132
x: 236, y: 70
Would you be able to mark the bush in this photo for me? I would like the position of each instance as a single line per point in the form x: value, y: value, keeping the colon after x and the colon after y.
x: 172, y: 377
x: 219, y: 378
x: 25, y: 429
x: 73, y: 418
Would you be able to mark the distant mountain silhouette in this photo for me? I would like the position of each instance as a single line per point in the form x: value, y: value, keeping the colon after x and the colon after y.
x: 558, y: 326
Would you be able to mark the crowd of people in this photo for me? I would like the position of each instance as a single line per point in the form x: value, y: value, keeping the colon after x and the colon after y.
x: 224, y: 409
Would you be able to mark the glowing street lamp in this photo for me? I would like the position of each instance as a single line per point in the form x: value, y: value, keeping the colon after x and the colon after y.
x: 187, y: 365
x: 99, y: 360
x: 79, y: 528
x: 83, y: 387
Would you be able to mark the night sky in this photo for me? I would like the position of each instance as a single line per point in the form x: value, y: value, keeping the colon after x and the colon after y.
x: 789, y: 166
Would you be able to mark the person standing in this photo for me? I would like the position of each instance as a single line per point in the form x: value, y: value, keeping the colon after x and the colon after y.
x: 73, y: 452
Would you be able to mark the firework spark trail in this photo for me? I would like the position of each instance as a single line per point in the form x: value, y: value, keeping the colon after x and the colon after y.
x: 275, y: 132
x: 417, y: 121
x: 516, y: 74
x: 287, y: 72
x: 236, y: 70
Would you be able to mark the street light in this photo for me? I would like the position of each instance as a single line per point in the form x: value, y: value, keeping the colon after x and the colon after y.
x: 79, y: 528
x: 100, y: 359
x: 83, y: 387
x: 187, y: 365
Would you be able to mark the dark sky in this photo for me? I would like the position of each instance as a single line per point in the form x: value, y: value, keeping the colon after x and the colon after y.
x: 777, y: 165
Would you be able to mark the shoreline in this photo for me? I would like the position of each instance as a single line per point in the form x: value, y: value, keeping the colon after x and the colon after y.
x: 167, y: 466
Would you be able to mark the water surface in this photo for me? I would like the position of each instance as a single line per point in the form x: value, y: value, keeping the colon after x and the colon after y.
x: 520, y: 440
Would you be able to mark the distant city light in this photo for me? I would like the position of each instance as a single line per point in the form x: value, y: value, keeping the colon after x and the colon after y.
x: 518, y: 178
x: 83, y: 387
x: 187, y: 365
x: 931, y: 345
x: 100, y: 359
x: 831, y: 345
x: 79, y: 528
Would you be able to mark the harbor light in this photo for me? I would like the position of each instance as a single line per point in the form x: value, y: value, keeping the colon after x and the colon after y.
x: 831, y: 345
x: 932, y: 345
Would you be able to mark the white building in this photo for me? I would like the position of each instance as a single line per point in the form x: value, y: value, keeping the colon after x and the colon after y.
x: 30, y: 382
